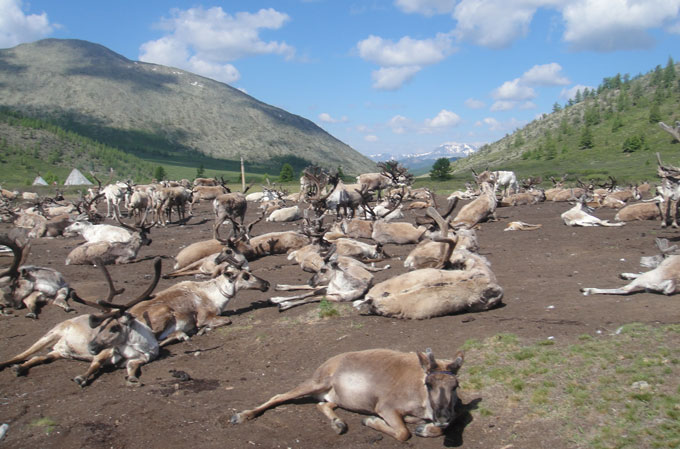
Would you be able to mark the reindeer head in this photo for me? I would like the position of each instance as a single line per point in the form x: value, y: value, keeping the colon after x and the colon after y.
x: 441, y: 384
x: 114, y: 323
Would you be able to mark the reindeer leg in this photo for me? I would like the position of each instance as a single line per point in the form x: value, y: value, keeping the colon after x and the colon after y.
x: 327, y: 408
x: 31, y: 302
x: 22, y: 370
x: 286, y: 287
x: 307, y: 388
x: 280, y: 299
x: 95, y: 366
x: 133, y: 368
x: 290, y: 304
x: 60, y: 300
x: 389, y: 422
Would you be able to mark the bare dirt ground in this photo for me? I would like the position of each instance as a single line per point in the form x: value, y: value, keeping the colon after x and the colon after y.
x: 264, y: 352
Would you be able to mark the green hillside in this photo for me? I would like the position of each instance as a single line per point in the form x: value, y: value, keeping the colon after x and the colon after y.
x: 161, y: 113
x: 612, y: 130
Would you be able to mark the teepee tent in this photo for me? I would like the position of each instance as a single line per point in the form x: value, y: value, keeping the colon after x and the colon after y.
x: 39, y: 181
x: 76, y: 179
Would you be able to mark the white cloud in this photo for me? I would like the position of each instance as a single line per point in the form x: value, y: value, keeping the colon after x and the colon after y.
x: 204, y: 41
x: 474, y: 104
x: 610, y: 25
x: 426, y: 7
x: 445, y: 119
x: 399, y: 124
x: 497, y: 126
x: 591, y: 25
x: 405, y: 52
x: 327, y: 118
x: 513, y: 91
x: 571, y: 92
x: 545, y: 75
x: 503, y: 105
x: 400, y: 61
x: 392, y: 78
x: 371, y: 138
x: 17, y: 27
x: 494, y: 23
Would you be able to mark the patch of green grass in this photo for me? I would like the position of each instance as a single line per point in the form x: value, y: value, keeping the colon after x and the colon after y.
x: 46, y: 423
x: 327, y: 309
x: 593, y: 382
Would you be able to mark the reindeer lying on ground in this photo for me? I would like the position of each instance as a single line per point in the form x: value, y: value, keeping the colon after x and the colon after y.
x: 188, y: 307
x: 576, y: 216
x: 664, y: 278
x: 212, y: 265
x: 340, y: 279
x: 478, y: 210
x: 78, y: 339
x: 396, y: 386
x: 28, y: 285
x: 650, y: 210
x: 431, y: 292
x: 93, y: 233
x: 111, y: 252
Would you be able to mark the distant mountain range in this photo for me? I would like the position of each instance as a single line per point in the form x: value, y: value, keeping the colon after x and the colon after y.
x: 419, y: 163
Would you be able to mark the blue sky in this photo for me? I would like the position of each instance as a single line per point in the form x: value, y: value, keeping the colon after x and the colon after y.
x: 383, y: 76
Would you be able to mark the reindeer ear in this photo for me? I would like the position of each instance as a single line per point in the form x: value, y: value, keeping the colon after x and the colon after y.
x: 426, y: 360
x: 456, y: 364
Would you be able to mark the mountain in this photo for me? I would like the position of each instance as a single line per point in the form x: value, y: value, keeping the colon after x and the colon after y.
x: 153, y: 110
x: 419, y: 163
x: 612, y: 130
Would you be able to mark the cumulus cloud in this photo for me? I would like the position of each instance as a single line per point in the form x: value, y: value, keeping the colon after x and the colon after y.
x: 399, y: 124
x: 610, y: 25
x: 497, y: 126
x: 17, y: 27
x: 513, y: 90
x: 519, y: 91
x: 400, y: 61
x: 426, y: 7
x: 493, y: 23
x: 592, y: 25
x: 445, y: 119
x: 392, y: 78
x: 371, y: 138
x: 204, y: 41
x: 545, y: 75
x: 474, y: 103
x: 327, y: 118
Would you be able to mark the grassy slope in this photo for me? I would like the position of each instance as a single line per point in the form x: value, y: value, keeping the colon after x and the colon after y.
x: 528, y: 151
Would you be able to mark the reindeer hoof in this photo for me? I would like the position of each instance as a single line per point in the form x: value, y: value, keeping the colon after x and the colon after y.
x: 18, y: 371
x: 585, y: 291
x: 339, y: 426
x: 31, y: 315
x: 133, y: 381
x: 82, y: 383
x: 237, y: 418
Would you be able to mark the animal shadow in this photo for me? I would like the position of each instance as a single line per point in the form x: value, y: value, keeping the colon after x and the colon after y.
x: 453, y: 437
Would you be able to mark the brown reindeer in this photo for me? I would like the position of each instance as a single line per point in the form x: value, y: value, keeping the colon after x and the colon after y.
x: 396, y: 386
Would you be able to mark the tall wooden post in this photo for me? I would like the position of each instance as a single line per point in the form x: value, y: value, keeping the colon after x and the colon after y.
x: 243, y: 177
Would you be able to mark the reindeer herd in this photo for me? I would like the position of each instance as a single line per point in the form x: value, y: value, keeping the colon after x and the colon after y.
x: 337, y: 233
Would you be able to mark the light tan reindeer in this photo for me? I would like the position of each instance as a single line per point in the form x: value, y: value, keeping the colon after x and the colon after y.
x: 111, y: 252
x: 76, y: 338
x: 396, y: 386
x: 664, y: 278
x: 431, y: 292
x: 478, y: 210
x: 576, y: 216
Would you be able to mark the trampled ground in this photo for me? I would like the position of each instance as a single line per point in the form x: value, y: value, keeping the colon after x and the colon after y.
x: 264, y: 351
